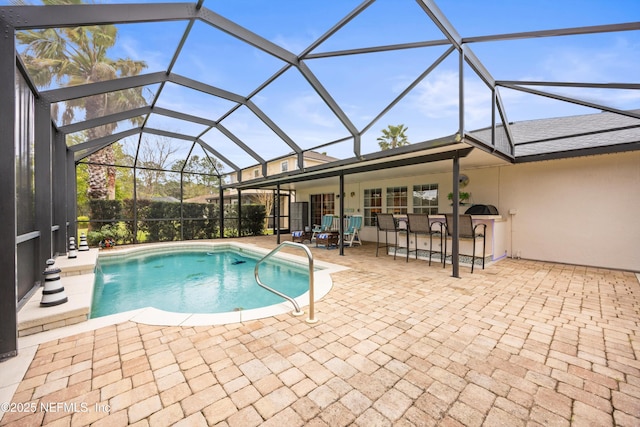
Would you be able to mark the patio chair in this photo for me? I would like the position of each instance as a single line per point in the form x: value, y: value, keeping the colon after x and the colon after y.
x: 387, y: 224
x: 327, y: 223
x: 351, y: 234
x: 466, y: 230
x: 420, y: 224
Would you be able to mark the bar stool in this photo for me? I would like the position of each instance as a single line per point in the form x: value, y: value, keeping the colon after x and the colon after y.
x: 466, y: 230
x: 421, y: 224
x: 386, y: 223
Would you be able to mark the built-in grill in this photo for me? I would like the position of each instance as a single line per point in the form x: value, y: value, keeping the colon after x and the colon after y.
x: 482, y: 210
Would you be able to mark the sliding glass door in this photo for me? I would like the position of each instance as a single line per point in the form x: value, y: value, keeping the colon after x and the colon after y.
x: 322, y: 204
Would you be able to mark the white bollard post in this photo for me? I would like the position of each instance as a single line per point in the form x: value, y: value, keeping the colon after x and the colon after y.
x: 73, y: 252
x: 84, y: 246
x: 53, y: 292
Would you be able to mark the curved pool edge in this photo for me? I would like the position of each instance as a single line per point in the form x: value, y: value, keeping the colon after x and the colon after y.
x: 156, y: 317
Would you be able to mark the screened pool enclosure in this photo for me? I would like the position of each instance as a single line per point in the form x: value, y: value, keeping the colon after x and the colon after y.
x: 162, y: 121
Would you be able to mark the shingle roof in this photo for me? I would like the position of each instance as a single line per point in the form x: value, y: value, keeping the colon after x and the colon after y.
x: 563, y: 134
x: 319, y: 156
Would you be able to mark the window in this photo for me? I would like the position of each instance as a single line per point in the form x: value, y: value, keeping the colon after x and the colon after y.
x: 372, y: 205
x: 397, y: 200
x: 284, y: 166
x: 256, y: 173
x: 425, y: 199
x: 321, y: 204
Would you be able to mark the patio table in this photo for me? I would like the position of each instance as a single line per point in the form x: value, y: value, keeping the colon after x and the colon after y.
x: 328, y: 239
x: 301, y: 236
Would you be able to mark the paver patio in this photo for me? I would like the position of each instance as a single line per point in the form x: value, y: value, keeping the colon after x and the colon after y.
x: 519, y: 343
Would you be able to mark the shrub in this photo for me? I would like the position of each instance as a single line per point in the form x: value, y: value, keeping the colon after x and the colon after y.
x: 114, y: 231
x: 253, y: 220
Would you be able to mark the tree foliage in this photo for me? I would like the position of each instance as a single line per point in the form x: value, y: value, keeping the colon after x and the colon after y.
x: 78, y: 55
x: 200, y: 175
x: 393, y: 136
x: 154, y: 159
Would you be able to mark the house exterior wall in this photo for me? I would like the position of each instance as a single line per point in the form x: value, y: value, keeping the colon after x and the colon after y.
x: 274, y: 168
x: 582, y: 211
x: 579, y: 211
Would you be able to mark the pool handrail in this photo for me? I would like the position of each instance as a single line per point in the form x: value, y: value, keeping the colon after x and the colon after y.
x: 297, y: 312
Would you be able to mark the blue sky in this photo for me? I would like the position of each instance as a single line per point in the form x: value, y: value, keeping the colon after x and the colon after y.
x: 363, y: 85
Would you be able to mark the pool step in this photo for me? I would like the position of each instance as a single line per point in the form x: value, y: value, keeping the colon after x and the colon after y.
x: 76, y: 277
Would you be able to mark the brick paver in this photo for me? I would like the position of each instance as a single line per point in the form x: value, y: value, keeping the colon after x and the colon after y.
x: 519, y: 343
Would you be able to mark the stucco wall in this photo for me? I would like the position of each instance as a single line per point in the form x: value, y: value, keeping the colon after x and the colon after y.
x: 579, y: 211
x: 583, y: 211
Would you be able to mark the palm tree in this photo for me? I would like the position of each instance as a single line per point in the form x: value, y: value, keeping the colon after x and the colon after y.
x: 392, y: 137
x: 74, y: 56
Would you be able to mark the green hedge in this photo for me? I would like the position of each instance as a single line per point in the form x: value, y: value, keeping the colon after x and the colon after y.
x: 200, y: 221
x: 104, y: 210
x: 159, y: 221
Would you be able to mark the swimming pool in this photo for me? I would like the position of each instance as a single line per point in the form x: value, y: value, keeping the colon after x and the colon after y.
x: 200, y: 279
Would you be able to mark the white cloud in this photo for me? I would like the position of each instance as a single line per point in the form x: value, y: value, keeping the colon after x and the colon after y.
x: 156, y: 60
x: 311, y: 109
x: 597, y: 62
x: 294, y: 45
x: 437, y: 98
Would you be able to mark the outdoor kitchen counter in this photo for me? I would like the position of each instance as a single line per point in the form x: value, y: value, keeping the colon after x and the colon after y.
x: 496, y: 234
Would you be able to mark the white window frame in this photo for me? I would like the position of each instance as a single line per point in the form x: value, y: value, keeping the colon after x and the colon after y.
x: 431, y: 207
x: 397, y: 194
x: 372, y: 203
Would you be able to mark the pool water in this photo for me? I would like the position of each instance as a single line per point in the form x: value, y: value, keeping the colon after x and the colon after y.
x: 192, y: 281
